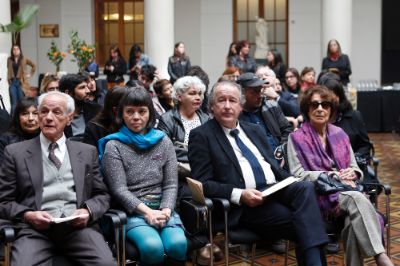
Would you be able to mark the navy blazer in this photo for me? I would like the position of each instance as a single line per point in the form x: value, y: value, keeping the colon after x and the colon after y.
x: 214, y: 163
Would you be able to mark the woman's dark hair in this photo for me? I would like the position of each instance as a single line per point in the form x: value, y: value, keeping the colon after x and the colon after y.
x: 328, y: 52
x: 307, y: 70
x: 149, y: 71
x: 107, y: 116
x: 277, y: 58
x: 22, y: 106
x: 241, y: 44
x: 337, y: 88
x: 138, y: 96
x: 326, y: 95
x: 326, y: 75
x: 21, y: 55
x: 159, y: 85
x: 230, y: 49
x: 132, y: 53
x: 116, y: 49
x: 197, y: 71
x: 296, y: 74
x: 176, y: 54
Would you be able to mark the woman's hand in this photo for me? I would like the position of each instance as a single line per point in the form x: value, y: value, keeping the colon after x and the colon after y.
x: 167, y: 212
x: 156, y: 218
x: 348, y: 174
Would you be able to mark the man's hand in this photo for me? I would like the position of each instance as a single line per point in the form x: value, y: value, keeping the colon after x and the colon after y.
x: 251, y: 197
x: 270, y: 93
x: 40, y: 220
x: 80, y: 222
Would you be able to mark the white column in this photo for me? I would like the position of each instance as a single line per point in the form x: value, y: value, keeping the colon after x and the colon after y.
x: 5, y: 47
x: 159, y: 32
x: 337, y: 23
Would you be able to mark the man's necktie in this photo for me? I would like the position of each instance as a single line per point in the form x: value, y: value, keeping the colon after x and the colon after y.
x: 255, y: 165
x: 52, y: 156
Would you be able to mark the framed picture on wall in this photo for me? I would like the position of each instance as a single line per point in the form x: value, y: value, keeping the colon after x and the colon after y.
x: 48, y: 30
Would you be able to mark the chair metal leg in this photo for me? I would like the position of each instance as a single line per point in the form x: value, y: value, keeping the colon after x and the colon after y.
x: 253, y: 254
x: 117, y: 245
x: 226, y: 238
x: 287, y: 252
x: 210, y: 237
x: 7, y: 254
x: 388, y: 225
x: 123, y: 242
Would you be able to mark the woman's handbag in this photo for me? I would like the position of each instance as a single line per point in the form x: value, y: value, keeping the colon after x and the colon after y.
x: 329, y: 184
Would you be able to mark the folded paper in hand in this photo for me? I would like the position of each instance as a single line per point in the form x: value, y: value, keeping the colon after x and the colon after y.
x: 196, y: 187
x: 278, y: 186
x: 69, y: 218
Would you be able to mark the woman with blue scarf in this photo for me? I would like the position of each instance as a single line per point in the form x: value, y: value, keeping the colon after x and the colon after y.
x: 140, y: 167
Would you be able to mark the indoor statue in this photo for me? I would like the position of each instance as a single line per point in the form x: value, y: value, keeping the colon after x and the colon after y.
x: 261, y: 39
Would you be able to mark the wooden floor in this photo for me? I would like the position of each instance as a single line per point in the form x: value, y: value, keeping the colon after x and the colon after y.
x: 387, y: 149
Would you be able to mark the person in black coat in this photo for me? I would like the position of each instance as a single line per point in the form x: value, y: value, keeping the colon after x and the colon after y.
x: 178, y: 63
x: 104, y: 123
x: 115, y: 68
x: 217, y: 161
x: 24, y: 124
x: 337, y: 62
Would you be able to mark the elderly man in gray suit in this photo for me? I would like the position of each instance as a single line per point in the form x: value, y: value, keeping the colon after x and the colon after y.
x: 50, y: 177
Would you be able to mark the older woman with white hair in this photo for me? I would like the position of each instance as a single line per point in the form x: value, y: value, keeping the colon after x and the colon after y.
x: 187, y: 115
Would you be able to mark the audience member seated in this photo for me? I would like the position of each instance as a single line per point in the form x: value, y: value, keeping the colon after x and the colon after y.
x: 24, y: 124
x: 234, y: 161
x: 178, y: 122
x: 148, y: 75
x: 51, y: 177
x: 104, y: 123
x: 76, y: 86
x: 96, y: 95
x: 319, y: 148
x: 243, y: 61
x: 275, y: 62
x: 50, y: 82
x: 352, y: 123
x: 266, y: 113
x: 164, y: 91
x: 273, y: 91
x: 230, y: 74
x: 292, y: 82
x: 307, y: 78
x: 140, y: 168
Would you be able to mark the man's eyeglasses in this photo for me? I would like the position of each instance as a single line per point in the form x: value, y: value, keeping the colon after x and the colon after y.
x: 325, y: 105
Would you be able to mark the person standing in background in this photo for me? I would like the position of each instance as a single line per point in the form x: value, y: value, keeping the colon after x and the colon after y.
x: 115, y: 68
x: 137, y: 59
x: 243, y: 60
x: 179, y: 63
x: 18, y: 78
x: 337, y: 62
x: 275, y: 62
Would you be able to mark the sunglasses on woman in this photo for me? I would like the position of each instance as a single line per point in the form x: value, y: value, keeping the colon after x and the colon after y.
x: 325, y: 105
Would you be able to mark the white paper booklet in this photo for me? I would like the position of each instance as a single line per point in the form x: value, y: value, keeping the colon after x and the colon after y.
x: 284, y: 183
x: 69, y: 218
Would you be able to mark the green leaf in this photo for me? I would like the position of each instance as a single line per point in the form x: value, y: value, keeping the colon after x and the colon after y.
x: 21, y: 20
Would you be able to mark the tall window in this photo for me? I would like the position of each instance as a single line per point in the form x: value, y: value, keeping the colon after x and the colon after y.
x: 275, y: 12
x: 118, y: 22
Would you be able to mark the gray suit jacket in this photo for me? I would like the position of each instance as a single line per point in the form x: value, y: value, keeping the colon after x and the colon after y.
x: 21, y: 179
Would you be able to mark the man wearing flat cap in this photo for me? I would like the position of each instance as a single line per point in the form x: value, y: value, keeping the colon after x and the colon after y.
x: 266, y: 113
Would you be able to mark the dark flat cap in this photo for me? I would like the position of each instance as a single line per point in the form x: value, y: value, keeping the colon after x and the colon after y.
x: 250, y: 80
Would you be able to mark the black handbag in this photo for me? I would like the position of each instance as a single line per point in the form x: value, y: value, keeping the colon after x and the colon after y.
x: 193, y: 216
x: 329, y: 184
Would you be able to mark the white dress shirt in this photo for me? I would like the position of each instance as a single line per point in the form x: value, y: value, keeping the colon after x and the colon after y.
x: 59, y: 151
x: 247, y: 171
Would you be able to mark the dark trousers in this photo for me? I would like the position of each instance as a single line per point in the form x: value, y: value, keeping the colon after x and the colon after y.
x: 290, y: 213
x: 16, y: 93
x: 84, y: 246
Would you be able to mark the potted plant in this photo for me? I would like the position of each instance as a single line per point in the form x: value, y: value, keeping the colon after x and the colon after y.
x: 55, y: 55
x: 82, y: 52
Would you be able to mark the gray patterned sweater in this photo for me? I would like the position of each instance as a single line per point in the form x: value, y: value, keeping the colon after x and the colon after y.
x: 132, y: 174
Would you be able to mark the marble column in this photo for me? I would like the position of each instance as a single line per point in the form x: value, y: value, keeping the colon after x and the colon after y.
x: 159, y: 32
x: 337, y: 23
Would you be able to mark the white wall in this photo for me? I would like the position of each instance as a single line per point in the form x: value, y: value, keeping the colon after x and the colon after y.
x: 206, y: 29
x: 5, y: 47
x: 305, y: 37
x: 367, y: 40
x: 305, y: 34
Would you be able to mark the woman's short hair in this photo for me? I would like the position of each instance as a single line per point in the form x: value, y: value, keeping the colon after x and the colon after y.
x: 159, y: 85
x: 22, y: 106
x: 138, y: 96
x: 241, y: 44
x: 183, y: 84
x: 47, y: 79
x: 326, y: 95
x: 307, y: 70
